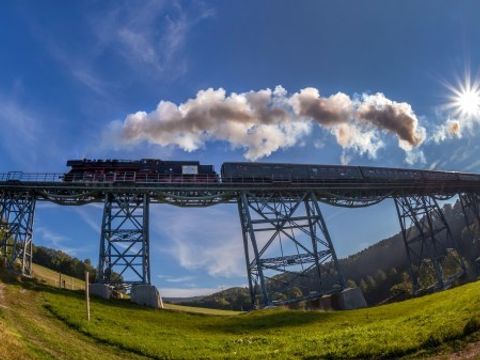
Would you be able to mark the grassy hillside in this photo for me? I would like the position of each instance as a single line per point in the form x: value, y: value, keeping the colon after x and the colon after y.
x: 42, y: 322
x: 29, y: 331
x: 52, y: 277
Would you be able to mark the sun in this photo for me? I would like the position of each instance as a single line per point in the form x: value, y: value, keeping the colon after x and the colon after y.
x: 465, y: 99
x: 468, y: 102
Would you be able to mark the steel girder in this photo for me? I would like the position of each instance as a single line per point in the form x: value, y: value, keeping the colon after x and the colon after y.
x: 287, y: 245
x: 124, y: 240
x: 16, y: 224
x: 428, y: 241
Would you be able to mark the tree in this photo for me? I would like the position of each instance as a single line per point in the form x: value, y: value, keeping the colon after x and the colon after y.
x: 363, y: 285
x: 351, y: 283
x: 380, y: 275
x: 278, y: 296
x: 393, y: 272
x: 295, y: 293
x: 371, y: 282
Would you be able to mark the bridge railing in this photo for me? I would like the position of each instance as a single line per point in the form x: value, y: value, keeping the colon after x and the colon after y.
x: 14, y: 177
x: 139, y: 178
x: 18, y: 177
x: 126, y: 177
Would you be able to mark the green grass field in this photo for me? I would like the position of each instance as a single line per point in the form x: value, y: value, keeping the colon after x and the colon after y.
x: 42, y: 322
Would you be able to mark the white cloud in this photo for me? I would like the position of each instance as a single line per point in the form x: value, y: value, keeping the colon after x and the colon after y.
x: 210, y: 242
x: 150, y: 35
x: 176, y: 279
x: 55, y: 240
x: 22, y: 134
x: 451, y: 128
x: 474, y: 166
x: 90, y: 218
x: 433, y: 165
x: 415, y: 157
x: 318, y: 144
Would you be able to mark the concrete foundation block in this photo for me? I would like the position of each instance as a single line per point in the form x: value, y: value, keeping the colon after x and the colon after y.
x: 349, y: 298
x: 321, y: 303
x: 325, y: 302
x: 146, y: 295
x: 101, y: 290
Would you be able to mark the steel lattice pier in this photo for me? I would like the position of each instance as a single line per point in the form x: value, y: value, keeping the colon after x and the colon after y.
x: 470, y: 203
x: 16, y: 224
x: 428, y: 242
x: 124, y: 242
x: 287, y: 236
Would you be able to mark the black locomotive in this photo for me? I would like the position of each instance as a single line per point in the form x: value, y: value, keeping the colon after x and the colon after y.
x: 144, y: 170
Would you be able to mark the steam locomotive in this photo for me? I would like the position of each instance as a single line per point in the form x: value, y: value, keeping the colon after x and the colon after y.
x: 155, y: 170
x: 144, y: 170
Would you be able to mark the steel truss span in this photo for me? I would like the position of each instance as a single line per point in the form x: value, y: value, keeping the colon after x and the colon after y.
x: 285, y: 235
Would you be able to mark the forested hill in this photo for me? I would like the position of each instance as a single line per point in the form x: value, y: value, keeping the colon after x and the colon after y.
x: 379, y: 270
x: 62, y: 262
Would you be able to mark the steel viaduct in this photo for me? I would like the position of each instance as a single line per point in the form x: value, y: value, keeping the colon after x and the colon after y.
x: 285, y: 235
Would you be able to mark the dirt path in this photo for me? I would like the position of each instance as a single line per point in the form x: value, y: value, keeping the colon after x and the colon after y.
x: 470, y: 351
x: 2, y: 296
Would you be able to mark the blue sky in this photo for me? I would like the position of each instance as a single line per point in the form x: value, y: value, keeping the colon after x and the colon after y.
x: 71, y: 73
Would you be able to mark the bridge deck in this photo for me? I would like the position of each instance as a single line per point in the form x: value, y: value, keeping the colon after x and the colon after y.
x: 205, y: 192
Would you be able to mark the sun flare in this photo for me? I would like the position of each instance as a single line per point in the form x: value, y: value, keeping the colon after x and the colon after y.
x: 468, y: 102
x: 466, y: 99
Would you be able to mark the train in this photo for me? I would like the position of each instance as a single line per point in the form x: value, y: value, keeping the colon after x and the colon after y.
x: 156, y: 170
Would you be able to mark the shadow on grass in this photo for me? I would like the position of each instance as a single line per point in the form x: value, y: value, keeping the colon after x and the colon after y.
x: 269, y: 319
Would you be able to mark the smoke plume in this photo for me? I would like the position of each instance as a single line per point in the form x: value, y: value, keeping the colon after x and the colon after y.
x: 265, y: 121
